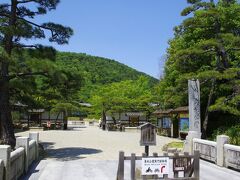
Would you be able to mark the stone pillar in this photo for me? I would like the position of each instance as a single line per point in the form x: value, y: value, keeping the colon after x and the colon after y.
x: 221, y: 140
x: 24, y: 142
x: 194, y: 105
x: 5, y: 152
x: 35, y: 136
x: 194, y: 115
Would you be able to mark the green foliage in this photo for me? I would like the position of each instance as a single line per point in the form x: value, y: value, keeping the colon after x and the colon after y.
x: 206, y: 46
x: 64, y: 107
x: 129, y: 95
x: 97, y: 72
x: 79, y: 78
x: 30, y: 68
x: 233, y: 133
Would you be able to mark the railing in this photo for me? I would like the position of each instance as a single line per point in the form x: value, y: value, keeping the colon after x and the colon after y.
x: 188, y: 164
x: 232, y: 156
x: 17, y: 163
x: 219, y: 152
x: 14, y: 164
x: 207, y: 149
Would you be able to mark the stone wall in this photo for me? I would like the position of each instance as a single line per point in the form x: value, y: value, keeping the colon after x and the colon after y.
x: 15, y: 163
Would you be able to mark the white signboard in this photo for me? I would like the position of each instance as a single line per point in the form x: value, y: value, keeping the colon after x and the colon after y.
x: 152, y: 166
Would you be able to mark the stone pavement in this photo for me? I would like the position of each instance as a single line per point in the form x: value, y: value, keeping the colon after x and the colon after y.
x: 91, y: 154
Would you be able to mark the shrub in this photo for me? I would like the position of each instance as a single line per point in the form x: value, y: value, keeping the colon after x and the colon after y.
x: 233, y: 133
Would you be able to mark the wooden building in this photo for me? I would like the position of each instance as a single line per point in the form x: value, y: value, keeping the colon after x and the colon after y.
x: 40, y: 117
x: 173, y: 122
x: 131, y: 119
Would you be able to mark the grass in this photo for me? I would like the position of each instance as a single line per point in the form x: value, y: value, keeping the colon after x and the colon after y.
x: 174, y: 144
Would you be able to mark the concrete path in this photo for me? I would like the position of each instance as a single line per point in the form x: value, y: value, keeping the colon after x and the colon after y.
x: 90, y: 153
x: 209, y: 171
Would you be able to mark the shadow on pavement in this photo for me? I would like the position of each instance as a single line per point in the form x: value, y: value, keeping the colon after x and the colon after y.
x: 31, y: 171
x: 71, y: 153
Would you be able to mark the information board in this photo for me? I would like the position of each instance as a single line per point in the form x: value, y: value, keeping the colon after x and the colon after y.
x: 182, y: 164
x: 148, y: 135
x: 184, y: 124
x: 155, y: 166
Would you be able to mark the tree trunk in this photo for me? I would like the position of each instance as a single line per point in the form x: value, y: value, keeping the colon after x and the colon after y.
x: 205, y: 122
x: 6, y: 130
x: 65, y: 121
x: 103, y: 120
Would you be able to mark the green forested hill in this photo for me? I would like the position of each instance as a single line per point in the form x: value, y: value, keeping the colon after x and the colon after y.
x: 98, y: 70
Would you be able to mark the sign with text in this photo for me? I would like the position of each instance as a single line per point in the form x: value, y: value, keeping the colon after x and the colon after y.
x: 152, y: 166
x: 148, y: 135
x: 181, y: 164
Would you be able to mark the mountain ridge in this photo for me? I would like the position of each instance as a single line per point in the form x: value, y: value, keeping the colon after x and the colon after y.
x: 101, y: 70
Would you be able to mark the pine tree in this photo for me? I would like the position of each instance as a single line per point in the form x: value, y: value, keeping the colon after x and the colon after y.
x: 17, y: 24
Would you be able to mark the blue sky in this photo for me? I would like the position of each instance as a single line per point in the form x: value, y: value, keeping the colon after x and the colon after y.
x: 133, y: 32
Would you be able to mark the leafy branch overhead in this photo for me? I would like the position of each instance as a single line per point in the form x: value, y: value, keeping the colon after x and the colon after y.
x: 22, y: 27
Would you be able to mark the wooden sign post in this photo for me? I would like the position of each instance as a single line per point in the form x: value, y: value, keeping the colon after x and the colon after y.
x: 148, y: 136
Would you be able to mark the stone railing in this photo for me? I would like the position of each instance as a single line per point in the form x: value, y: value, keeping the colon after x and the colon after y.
x: 232, y: 156
x: 17, y: 162
x: 219, y: 152
x: 207, y: 149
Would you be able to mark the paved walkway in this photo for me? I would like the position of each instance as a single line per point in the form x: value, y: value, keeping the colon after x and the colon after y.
x: 90, y: 153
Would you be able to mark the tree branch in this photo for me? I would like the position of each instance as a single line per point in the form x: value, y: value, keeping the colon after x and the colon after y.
x: 37, y: 25
x: 34, y: 24
x: 27, y: 74
x: 25, y: 1
x: 25, y: 46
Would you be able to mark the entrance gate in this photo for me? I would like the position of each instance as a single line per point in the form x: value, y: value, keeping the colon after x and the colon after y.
x: 185, y: 163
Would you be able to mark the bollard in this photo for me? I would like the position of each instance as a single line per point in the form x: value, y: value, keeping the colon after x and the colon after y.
x: 221, y: 140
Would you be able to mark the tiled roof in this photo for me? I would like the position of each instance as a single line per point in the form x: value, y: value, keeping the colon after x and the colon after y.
x: 168, y: 111
x: 180, y: 109
x: 160, y: 111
